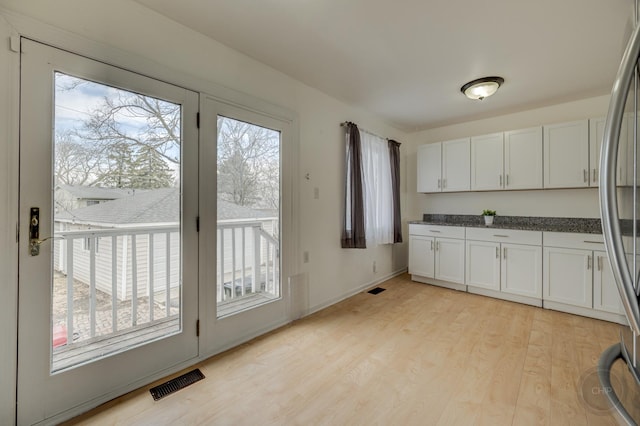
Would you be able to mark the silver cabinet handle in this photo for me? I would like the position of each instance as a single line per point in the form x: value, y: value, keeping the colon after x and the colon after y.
x: 595, y: 174
x: 588, y: 263
x: 504, y: 252
x: 497, y: 253
x: 439, y: 183
x: 431, y: 245
x: 592, y: 242
x: 434, y: 230
x: 500, y: 236
x: 500, y: 180
x: 599, y: 264
x: 584, y: 175
x: 507, y: 180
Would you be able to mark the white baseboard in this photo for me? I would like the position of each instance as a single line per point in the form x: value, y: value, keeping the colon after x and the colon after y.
x: 354, y: 291
x: 506, y: 296
x: 439, y: 283
x: 586, y: 312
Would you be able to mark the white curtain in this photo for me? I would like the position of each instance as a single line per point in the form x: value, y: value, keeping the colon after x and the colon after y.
x: 378, y: 195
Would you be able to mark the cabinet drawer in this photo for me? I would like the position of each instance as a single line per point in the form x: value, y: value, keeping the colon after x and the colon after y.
x: 437, y: 231
x: 533, y: 238
x: 573, y: 240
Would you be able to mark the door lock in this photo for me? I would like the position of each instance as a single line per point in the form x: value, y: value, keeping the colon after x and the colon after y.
x: 34, y: 232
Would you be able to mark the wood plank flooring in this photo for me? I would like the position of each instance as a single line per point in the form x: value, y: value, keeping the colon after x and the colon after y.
x: 413, y: 354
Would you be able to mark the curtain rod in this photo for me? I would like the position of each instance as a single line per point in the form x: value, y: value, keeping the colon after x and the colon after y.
x: 345, y: 123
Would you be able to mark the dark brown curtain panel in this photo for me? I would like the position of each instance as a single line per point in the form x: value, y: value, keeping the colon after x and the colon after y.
x: 353, y: 234
x: 394, y: 158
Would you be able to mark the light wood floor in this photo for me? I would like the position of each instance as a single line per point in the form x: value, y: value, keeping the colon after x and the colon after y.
x: 413, y: 354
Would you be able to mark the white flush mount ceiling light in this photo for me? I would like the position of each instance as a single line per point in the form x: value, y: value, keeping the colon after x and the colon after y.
x: 482, y: 87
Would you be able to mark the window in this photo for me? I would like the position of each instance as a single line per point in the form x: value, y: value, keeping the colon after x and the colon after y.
x: 372, y: 204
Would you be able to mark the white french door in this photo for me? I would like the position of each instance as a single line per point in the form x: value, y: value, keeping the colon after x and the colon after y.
x: 245, y: 193
x: 109, y: 171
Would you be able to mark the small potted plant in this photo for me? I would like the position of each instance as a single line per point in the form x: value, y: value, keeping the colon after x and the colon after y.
x: 488, y: 216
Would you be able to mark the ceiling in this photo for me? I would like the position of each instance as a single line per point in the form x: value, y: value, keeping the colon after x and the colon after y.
x: 405, y: 60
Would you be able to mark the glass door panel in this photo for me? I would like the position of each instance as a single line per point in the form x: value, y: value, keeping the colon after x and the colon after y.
x: 116, y: 216
x: 248, y: 216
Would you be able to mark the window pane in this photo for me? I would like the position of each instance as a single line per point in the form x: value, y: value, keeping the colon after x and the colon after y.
x: 248, y: 240
x: 116, y: 185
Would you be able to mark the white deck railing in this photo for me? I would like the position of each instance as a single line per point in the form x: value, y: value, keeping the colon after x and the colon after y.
x: 248, y: 260
x: 139, y: 268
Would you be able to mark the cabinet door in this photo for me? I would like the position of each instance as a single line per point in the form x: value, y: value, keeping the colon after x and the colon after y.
x: 566, y: 155
x: 421, y: 256
x: 487, y: 162
x: 567, y: 276
x: 605, y: 292
x: 596, y: 135
x: 523, y: 159
x: 456, y: 165
x: 483, y: 264
x: 521, y: 270
x: 450, y: 260
x: 429, y: 168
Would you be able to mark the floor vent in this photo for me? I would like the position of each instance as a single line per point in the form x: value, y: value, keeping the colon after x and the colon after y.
x: 376, y: 290
x: 176, y: 384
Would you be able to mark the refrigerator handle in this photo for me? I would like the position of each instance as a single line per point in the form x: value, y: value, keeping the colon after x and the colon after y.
x: 611, y: 229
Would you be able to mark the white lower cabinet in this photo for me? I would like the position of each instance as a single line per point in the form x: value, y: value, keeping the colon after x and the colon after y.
x: 505, y: 267
x: 605, y: 292
x: 568, y: 277
x: 449, y: 260
x: 578, y: 277
x: 422, y: 256
x: 564, y: 271
x: 521, y: 270
x: 437, y: 252
x: 483, y: 264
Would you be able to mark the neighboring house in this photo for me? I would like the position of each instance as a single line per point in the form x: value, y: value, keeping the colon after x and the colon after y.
x: 71, y: 197
x: 151, y: 219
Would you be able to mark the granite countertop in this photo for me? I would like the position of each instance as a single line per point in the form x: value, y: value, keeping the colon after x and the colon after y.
x: 526, y: 223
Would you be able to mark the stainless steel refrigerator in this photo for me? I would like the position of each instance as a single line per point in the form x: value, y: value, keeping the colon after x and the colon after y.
x: 619, y: 365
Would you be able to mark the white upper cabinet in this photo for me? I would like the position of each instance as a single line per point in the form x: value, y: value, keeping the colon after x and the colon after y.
x: 509, y: 160
x: 456, y: 167
x: 487, y: 162
x: 566, y: 155
x: 523, y: 159
x: 596, y: 135
x: 444, y: 166
x: 429, y: 168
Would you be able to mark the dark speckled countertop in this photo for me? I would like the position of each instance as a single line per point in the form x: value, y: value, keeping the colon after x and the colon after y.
x: 527, y: 223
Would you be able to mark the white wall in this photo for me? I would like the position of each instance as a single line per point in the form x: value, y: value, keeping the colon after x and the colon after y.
x: 146, y: 42
x: 8, y: 207
x: 555, y: 203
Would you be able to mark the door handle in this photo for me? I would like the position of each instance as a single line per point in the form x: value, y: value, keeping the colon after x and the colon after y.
x: 34, y: 232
